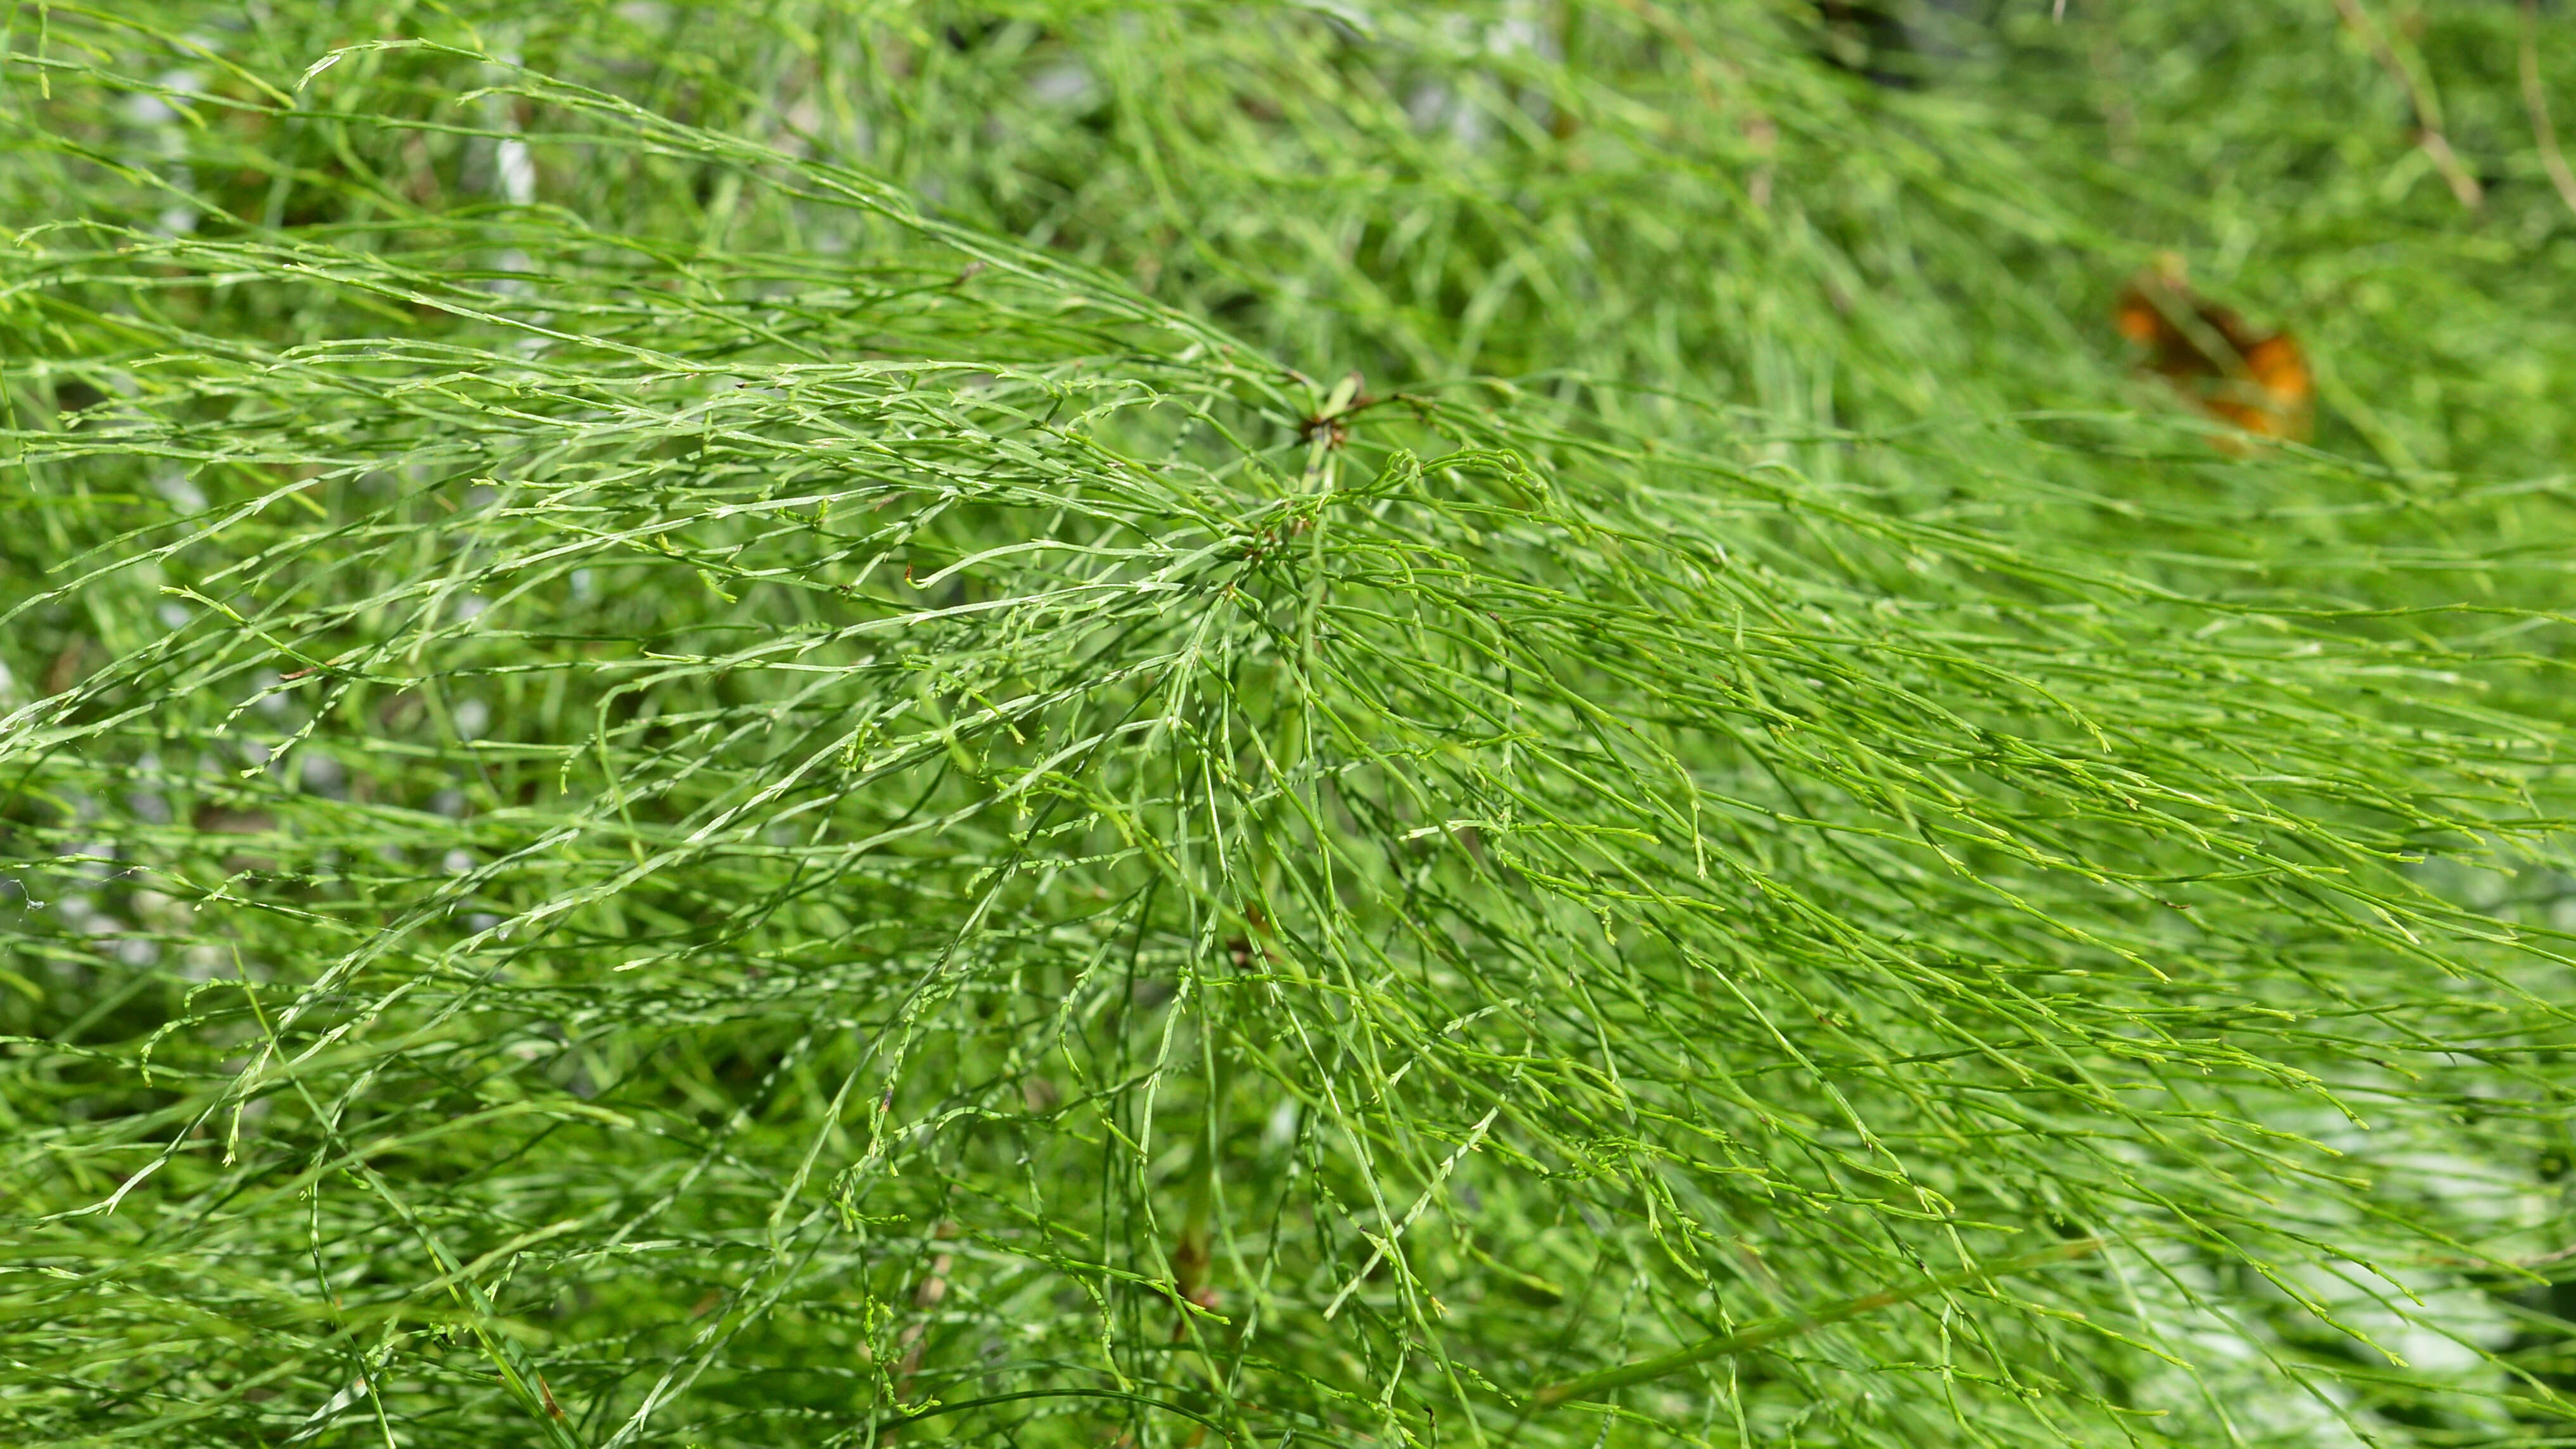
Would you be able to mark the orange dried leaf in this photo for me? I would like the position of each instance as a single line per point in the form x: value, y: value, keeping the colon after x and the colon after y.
x: 2257, y: 381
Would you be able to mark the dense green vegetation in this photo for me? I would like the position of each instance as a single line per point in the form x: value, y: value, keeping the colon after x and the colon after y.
x: 804, y: 722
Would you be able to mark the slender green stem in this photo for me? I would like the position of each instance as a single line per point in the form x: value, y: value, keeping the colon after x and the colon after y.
x: 1768, y: 1331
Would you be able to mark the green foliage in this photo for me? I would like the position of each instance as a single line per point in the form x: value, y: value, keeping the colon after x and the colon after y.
x: 818, y: 723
